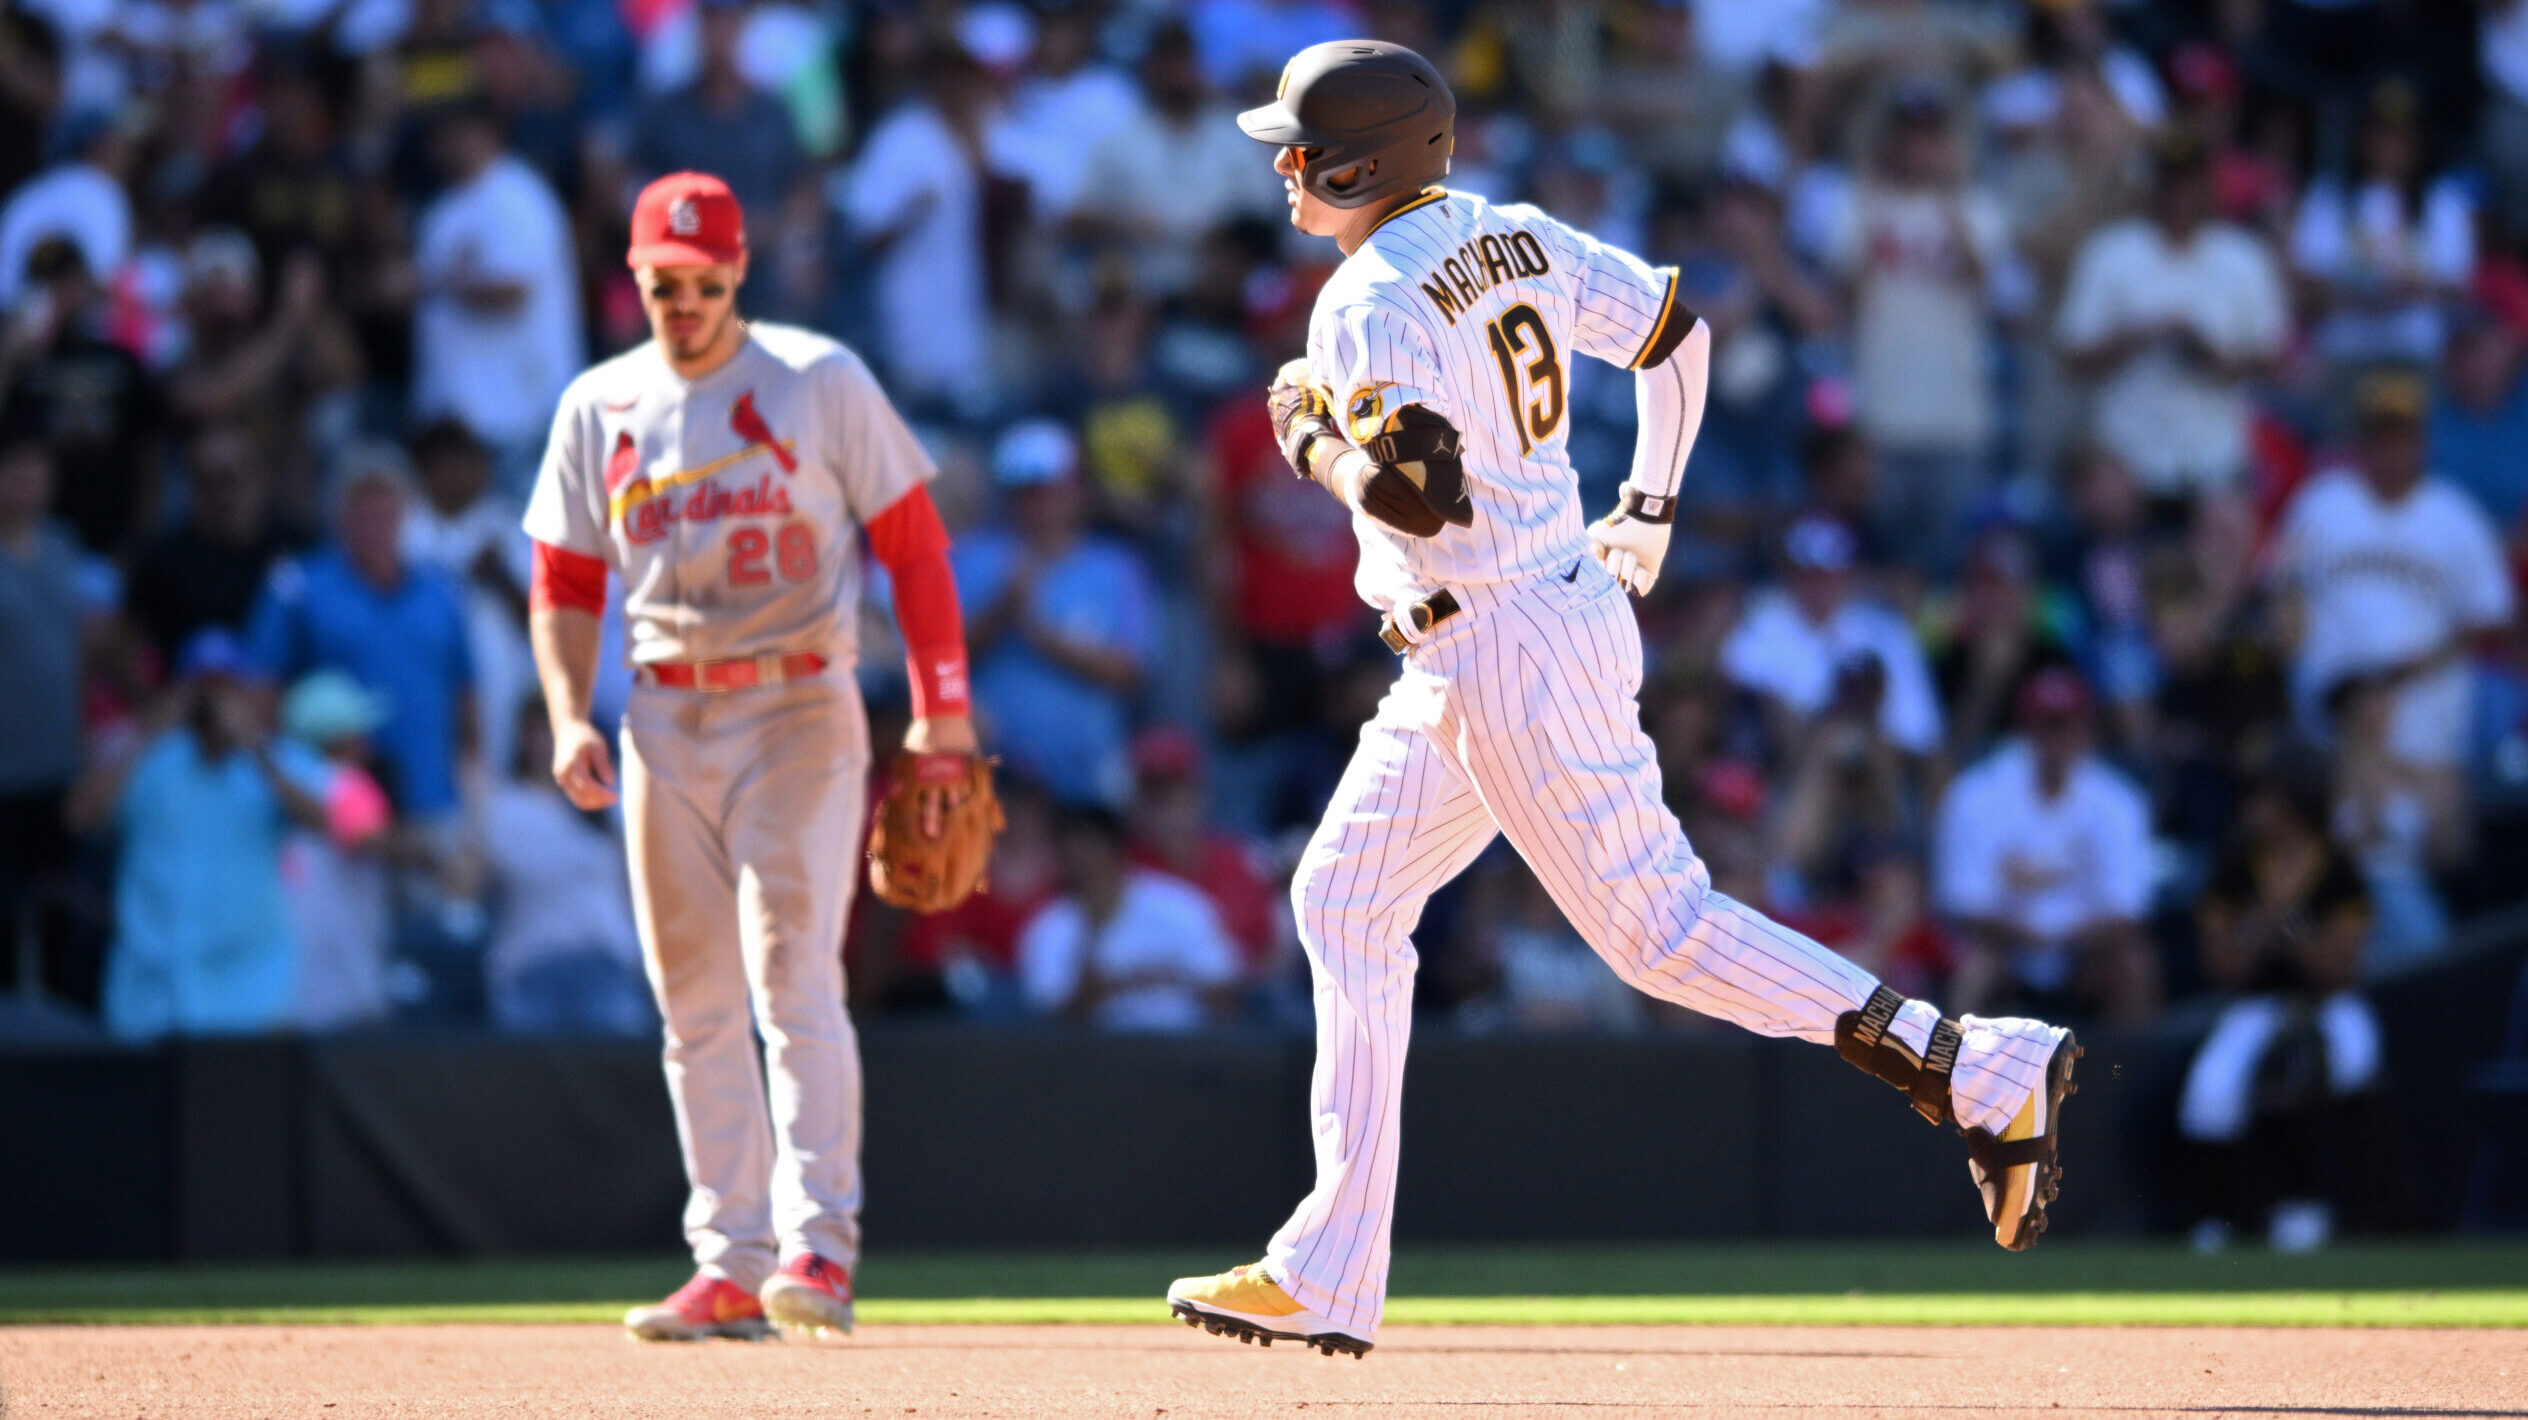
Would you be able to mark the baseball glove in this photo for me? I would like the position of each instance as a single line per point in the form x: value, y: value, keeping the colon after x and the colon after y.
x: 934, y: 832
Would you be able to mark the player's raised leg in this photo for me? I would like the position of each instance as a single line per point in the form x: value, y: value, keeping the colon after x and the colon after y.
x: 1554, y: 745
x: 685, y: 905
x: 1401, y: 823
x: 793, y: 821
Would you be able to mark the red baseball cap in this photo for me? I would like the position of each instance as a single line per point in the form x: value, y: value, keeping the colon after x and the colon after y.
x: 686, y: 219
x: 2056, y: 693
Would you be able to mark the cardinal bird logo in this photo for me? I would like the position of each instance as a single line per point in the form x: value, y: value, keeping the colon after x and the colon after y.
x: 750, y: 426
x: 623, y: 463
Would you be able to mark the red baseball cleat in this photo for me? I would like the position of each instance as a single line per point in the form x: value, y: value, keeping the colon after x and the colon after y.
x: 705, y: 1306
x: 811, y: 1293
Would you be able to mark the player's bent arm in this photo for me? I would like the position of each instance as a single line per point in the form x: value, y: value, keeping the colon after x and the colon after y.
x: 565, y: 599
x: 1633, y: 539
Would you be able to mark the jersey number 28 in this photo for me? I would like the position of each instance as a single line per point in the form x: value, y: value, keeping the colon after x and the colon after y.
x: 792, y: 550
x: 1536, y: 400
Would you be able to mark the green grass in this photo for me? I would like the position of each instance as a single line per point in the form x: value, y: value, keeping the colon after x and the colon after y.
x: 2442, y: 1284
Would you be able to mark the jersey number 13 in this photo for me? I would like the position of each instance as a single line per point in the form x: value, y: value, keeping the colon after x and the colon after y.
x: 1535, y: 389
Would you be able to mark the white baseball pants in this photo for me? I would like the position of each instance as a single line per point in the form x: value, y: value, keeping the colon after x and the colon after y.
x: 743, y: 813
x: 1521, y: 719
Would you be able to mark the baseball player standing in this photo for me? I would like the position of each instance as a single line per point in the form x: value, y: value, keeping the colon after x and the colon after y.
x: 1433, y: 402
x: 719, y: 472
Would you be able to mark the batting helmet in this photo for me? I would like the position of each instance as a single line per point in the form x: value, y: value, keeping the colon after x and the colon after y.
x: 1350, y: 100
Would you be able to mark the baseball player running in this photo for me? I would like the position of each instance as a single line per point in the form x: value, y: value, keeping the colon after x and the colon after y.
x: 718, y: 472
x: 1433, y: 402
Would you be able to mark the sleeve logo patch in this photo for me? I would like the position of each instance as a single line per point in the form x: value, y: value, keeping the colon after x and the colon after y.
x: 1364, y: 412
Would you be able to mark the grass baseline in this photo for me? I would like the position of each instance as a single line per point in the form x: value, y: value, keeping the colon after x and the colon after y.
x: 2470, y: 1283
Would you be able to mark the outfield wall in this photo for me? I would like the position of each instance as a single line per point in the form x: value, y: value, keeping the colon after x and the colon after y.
x: 375, y: 1146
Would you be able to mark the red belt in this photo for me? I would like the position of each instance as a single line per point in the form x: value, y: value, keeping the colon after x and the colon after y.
x: 744, y: 673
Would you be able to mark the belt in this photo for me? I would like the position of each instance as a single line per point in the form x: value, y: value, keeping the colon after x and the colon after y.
x: 741, y: 673
x: 1425, y: 616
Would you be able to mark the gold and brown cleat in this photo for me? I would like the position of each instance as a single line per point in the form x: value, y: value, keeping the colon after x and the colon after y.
x: 2019, y: 1170
x: 1245, y: 1302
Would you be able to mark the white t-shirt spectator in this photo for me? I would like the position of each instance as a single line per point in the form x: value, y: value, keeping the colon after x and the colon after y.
x: 75, y: 201
x: 1052, y: 128
x: 2178, y: 428
x: 1921, y: 370
x: 1780, y: 652
x: 2386, y: 584
x: 914, y: 178
x: 500, y: 373
x: 1171, y: 184
x: 2503, y: 41
x: 2048, y: 867
x: 2361, y: 241
x: 1164, y: 930
x: 560, y: 881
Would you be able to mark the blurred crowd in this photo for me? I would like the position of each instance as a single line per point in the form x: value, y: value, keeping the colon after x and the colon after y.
x: 2094, y: 588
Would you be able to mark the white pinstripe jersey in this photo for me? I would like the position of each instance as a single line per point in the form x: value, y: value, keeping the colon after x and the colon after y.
x: 1474, y: 311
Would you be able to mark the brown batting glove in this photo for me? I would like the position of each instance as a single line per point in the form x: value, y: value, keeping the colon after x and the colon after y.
x: 934, y: 830
x: 1301, y: 412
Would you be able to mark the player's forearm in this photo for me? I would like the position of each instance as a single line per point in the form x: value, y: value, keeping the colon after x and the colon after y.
x: 565, y: 641
x: 1669, y: 399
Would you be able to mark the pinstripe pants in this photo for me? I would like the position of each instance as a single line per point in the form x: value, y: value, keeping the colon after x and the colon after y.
x: 1522, y: 721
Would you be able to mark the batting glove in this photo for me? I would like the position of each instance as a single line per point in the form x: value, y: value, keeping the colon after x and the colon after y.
x: 1631, y: 541
x: 1301, y: 413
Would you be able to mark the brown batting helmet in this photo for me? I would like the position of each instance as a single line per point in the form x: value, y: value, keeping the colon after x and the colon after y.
x: 1348, y: 101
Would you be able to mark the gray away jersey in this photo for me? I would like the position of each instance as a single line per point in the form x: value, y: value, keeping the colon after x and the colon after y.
x: 728, y: 505
x: 1474, y: 312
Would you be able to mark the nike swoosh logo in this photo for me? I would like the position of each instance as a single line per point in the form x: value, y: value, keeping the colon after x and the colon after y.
x: 614, y: 408
x: 1573, y: 575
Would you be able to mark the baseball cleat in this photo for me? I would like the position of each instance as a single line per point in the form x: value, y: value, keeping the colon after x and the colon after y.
x: 706, y: 1306
x: 2018, y: 1171
x: 1245, y: 1302
x: 810, y: 1293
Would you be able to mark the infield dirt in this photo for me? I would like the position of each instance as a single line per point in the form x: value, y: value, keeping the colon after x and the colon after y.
x: 1170, y: 1373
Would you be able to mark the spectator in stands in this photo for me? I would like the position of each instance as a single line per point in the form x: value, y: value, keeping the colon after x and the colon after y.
x: 2385, y: 251
x: 84, y: 199
x: 208, y: 569
x: 65, y: 382
x: 1059, y: 626
x: 1917, y: 245
x: 2004, y: 626
x: 496, y: 332
x: 564, y: 956
x: 2401, y: 822
x: 912, y: 205
x: 335, y: 880
x: 462, y: 526
x: 2043, y: 866
x: 1170, y: 835
x: 1795, y: 641
x: 44, y: 626
x: 2503, y: 42
x: 2104, y: 563
x: 269, y: 371
x: 2170, y: 314
x: 2282, y: 930
x: 2479, y: 420
x: 1846, y: 791
x: 1124, y: 948
x: 202, y: 944
x: 292, y: 190
x: 357, y: 605
x: 1063, y: 107
x: 2394, y: 573
x: 1174, y: 173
